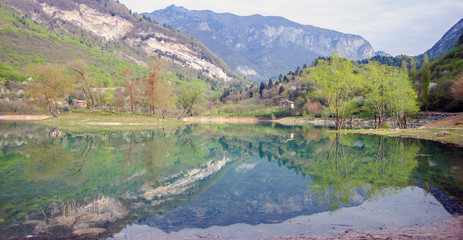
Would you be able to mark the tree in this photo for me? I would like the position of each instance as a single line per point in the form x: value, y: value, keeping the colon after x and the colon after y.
x: 387, y: 90
x: 375, y: 79
x: 404, y: 66
x: 79, y: 67
x: 270, y: 83
x: 155, y: 89
x: 282, y: 89
x: 261, y: 88
x: 457, y: 89
x: 119, y: 99
x: 131, y: 89
x: 49, y: 87
x: 425, y: 81
x: 187, y: 100
x: 401, y: 98
x: 337, y: 83
x: 412, y: 73
x: 105, y: 99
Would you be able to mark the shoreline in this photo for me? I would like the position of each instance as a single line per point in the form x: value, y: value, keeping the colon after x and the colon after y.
x: 449, y: 130
x: 223, y: 120
x: 18, y: 117
x: 448, y: 229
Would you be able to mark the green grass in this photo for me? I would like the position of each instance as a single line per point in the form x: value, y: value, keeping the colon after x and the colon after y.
x: 96, y: 121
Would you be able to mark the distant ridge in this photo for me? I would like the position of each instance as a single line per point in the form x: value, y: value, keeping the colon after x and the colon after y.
x: 261, y: 47
x: 447, y: 42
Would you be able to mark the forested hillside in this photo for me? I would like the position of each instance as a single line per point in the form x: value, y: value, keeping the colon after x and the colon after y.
x: 447, y: 77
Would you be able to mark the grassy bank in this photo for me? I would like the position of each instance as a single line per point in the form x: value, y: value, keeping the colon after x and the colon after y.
x: 101, y: 121
x: 454, y: 136
x: 449, y: 130
x: 446, y: 131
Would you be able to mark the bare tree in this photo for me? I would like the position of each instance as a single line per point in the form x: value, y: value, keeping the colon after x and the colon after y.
x: 131, y: 89
x: 155, y: 88
x: 80, y: 68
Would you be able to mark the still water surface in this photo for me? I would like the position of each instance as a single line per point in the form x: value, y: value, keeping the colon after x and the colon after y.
x: 219, y: 181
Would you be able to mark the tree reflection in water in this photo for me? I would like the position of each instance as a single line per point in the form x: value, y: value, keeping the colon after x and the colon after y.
x: 123, y: 177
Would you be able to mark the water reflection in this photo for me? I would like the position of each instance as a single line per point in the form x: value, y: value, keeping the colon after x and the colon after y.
x: 58, y: 184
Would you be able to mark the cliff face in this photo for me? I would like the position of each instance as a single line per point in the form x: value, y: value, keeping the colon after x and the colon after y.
x: 447, y: 42
x: 109, y: 22
x: 261, y: 47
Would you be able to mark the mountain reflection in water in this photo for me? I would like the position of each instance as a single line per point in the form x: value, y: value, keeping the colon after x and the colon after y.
x: 219, y: 180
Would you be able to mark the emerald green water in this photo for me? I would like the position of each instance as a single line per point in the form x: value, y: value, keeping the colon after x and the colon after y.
x: 219, y: 181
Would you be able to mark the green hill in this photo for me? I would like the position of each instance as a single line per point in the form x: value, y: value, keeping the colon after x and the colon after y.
x: 110, y: 38
x: 104, y: 33
x: 24, y: 42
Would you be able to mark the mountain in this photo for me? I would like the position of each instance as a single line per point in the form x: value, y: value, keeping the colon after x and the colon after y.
x: 382, y: 53
x: 447, y: 42
x: 445, y: 71
x: 62, y: 30
x: 260, y: 47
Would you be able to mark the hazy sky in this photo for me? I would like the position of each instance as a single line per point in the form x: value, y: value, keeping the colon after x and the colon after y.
x: 396, y: 26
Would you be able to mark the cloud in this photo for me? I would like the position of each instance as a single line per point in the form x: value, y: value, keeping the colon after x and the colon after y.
x: 395, y: 26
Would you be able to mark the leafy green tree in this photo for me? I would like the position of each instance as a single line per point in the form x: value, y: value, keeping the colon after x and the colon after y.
x: 337, y: 84
x: 401, y: 98
x: 387, y: 89
x: 425, y: 81
x: 282, y: 89
x: 375, y: 78
x: 187, y: 100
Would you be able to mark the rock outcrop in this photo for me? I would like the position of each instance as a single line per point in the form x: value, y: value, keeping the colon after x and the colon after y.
x: 110, y: 23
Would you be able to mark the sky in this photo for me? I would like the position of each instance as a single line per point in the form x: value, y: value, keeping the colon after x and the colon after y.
x: 407, y: 27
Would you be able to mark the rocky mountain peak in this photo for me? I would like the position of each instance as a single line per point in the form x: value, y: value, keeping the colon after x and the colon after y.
x: 260, y: 47
x: 447, y: 42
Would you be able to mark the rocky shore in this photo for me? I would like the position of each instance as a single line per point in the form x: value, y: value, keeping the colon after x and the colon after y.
x: 420, y: 120
x: 449, y: 229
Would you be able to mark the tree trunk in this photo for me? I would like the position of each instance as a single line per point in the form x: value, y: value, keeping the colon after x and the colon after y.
x: 90, y: 94
x: 405, y: 125
x: 164, y: 112
x: 50, y: 109
x: 184, y: 112
x: 380, y: 121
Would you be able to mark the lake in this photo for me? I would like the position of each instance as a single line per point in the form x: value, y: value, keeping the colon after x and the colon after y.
x: 219, y: 181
